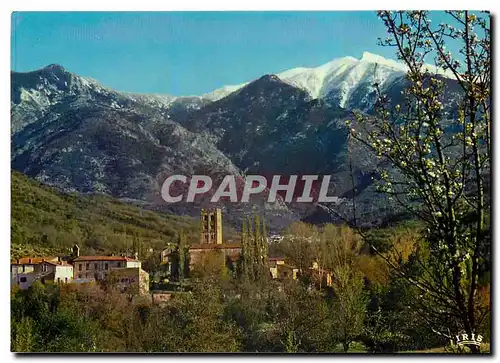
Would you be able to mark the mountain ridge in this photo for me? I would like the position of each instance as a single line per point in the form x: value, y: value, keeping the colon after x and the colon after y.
x: 299, y: 76
x: 289, y: 75
x: 73, y: 133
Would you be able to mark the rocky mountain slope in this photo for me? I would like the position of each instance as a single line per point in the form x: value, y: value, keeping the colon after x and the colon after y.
x: 70, y: 132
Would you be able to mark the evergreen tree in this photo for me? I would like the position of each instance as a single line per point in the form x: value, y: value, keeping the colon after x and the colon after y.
x: 182, y: 250
x: 261, y: 256
x: 258, y: 249
x: 244, y: 258
x: 265, y: 247
x: 251, y: 250
x: 254, y: 250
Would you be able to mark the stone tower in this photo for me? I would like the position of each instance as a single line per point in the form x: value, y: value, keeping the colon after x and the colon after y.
x: 211, y: 226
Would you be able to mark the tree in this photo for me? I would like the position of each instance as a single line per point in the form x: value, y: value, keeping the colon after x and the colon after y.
x: 298, y: 246
x: 183, y: 256
x: 210, y: 266
x: 42, y: 323
x: 349, y: 306
x: 244, y: 262
x: 349, y: 301
x: 258, y: 248
x: 23, y: 335
x: 437, y: 161
x: 152, y: 265
x: 180, y: 262
x: 264, y: 237
x: 265, y: 251
x: 194, y: 322
x: 302, y: 322
x: 261, y: 251
x: 254, y: 254
x: 137, y: 245
x: 251, y: 248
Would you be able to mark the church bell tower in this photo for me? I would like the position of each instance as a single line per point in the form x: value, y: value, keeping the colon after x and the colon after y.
x: 211, y: 226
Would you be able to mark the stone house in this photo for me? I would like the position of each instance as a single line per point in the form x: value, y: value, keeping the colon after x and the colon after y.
x: 27, y: 270
x: 93, y: 268
x: 280, y: 270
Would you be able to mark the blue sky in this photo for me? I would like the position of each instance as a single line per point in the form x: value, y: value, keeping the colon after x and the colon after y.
x: 188, y: 53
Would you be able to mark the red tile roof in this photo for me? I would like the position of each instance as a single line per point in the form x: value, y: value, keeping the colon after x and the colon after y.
x: 33, y: 260
x: 103, y: 258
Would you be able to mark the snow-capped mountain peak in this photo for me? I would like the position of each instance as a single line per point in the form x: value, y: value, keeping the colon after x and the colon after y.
x: 337, y: 79
x: 342, y: 74
x: 314, y: 80
x: 378, y: 59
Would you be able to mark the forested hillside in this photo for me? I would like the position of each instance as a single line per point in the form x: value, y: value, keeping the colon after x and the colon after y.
x: 45, y: 221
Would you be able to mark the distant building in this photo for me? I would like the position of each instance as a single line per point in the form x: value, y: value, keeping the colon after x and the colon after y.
x: 197, y: 253
x: 280, y: 270
x: 98, y: 267
x: 273, y: 265
x: 211, y: 239
x: 165, y: 254
x: 27, y: 264
x: 211, y: 226
x: 287, y: 272
x: 27, y: 270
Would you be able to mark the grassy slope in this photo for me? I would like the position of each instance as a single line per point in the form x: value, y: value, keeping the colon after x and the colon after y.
x: 44, y: 221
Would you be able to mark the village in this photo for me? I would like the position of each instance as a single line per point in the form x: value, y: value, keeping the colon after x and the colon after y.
x: 126, y: 274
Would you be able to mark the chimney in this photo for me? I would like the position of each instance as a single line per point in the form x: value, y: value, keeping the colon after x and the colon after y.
x: 59, y: 259
x: 76, y: 251
x: 29, y: 260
